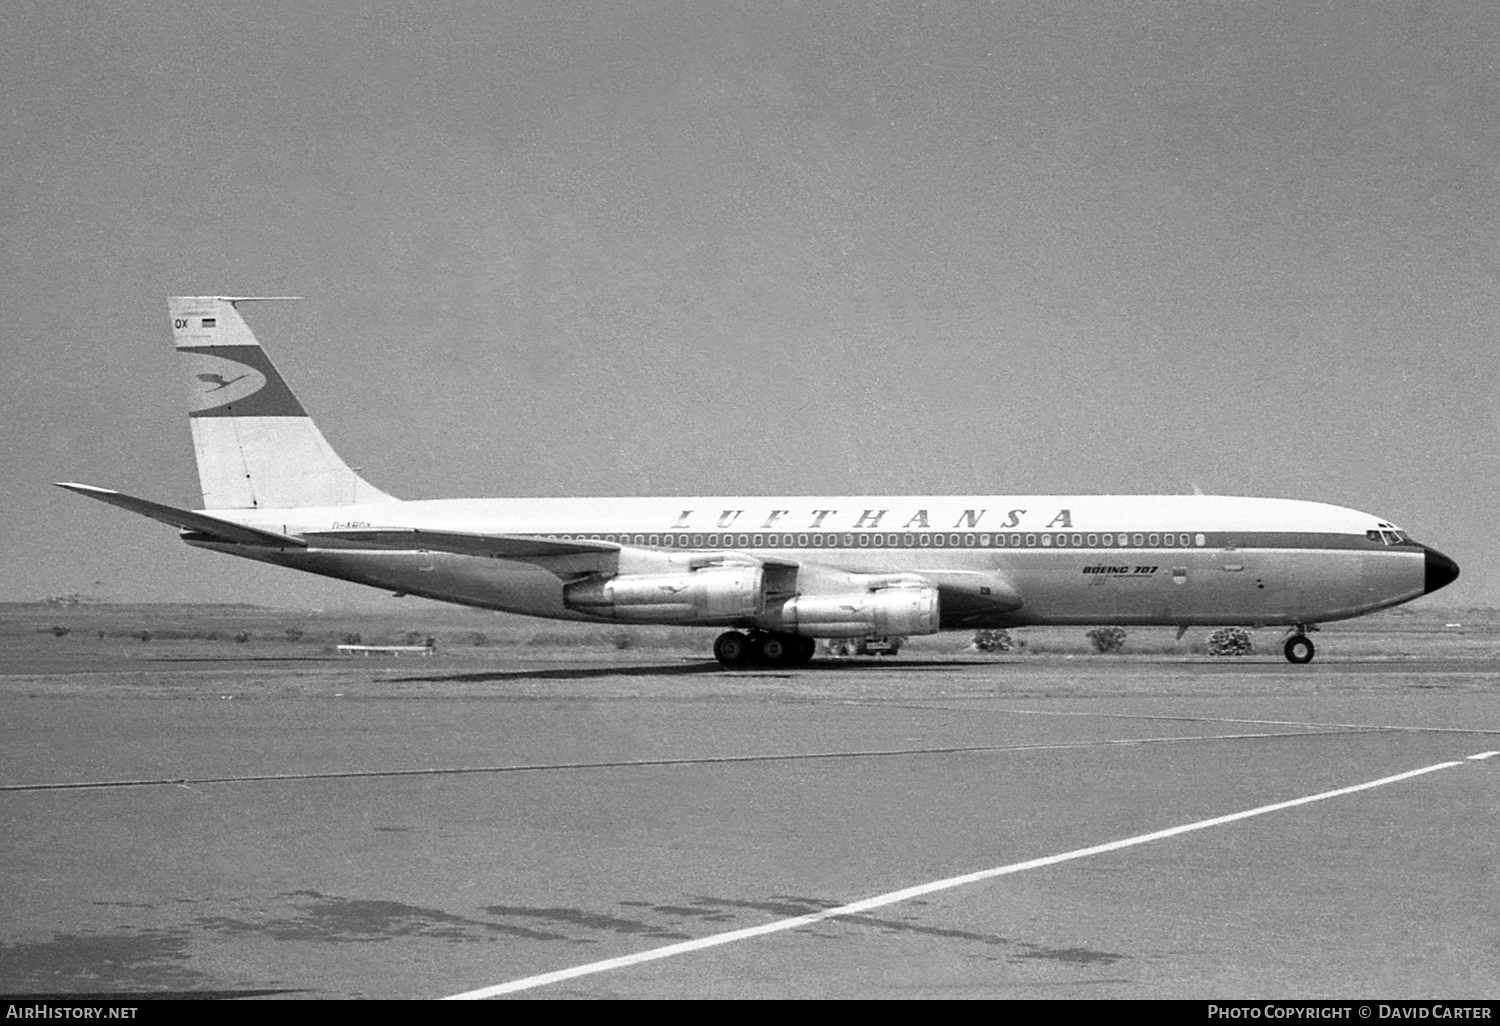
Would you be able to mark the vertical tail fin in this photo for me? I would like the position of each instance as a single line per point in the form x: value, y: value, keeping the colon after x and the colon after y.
x: 256, y: 445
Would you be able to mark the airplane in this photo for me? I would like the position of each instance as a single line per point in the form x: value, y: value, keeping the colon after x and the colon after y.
x: 775, y: 573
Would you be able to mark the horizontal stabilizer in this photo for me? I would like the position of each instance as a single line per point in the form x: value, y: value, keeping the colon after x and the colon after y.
x: 497, y: 546
x: 186, y: 519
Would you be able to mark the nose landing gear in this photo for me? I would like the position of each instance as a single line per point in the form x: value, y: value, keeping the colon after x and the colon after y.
x: 1299, y: 647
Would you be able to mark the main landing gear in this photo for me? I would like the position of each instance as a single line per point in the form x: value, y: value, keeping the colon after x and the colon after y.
x: 736, y: 650
x: 1299, y: 647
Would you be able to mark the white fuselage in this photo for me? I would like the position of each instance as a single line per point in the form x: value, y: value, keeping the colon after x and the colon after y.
x: 998, y: 560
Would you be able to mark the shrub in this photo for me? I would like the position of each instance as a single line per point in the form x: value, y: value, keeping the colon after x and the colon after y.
x: 58, y: 630
x: 352, y: 638
x: 1229, y: 641
x: 242, y: 637
x: 294, y: 634
x: 1107, y: 639
x: 991, y: 641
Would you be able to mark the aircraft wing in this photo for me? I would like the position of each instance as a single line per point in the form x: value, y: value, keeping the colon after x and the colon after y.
x: 462, y: 543
x: 186, y: 519
x: 965, y: 592
x: 567, y: 559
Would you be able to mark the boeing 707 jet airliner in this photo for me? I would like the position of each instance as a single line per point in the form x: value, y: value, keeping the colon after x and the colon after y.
x: 776, y: 573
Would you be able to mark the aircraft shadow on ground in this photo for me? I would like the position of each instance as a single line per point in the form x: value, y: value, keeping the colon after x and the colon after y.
x: 674, y: 670
x: 567, y: 673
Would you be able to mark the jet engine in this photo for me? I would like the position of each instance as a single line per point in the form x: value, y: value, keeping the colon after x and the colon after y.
x: 713, y: 595
x: 884, y: 613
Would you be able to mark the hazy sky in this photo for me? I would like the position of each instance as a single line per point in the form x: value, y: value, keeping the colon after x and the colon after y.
x: 697, y: 247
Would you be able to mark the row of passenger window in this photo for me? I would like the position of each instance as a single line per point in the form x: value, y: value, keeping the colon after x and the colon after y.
x: 907, y: 540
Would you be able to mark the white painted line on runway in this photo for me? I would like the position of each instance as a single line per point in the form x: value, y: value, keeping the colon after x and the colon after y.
x: 893, y: 897
x: 1484, y: 755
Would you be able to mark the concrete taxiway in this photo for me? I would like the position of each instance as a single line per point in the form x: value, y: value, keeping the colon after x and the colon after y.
x: 326, y: 829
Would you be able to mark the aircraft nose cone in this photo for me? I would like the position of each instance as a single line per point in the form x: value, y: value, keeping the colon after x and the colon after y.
x: 1441, y: 571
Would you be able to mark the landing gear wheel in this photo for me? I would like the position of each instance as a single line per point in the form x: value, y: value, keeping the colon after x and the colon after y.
x: 732, y: 649
x: 1299, y: 649
x: 776, y: 649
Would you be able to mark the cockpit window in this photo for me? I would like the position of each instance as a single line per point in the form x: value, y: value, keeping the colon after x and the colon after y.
x: 1387, y: 536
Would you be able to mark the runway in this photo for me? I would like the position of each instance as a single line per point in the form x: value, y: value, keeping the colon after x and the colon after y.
x: 336, y: 829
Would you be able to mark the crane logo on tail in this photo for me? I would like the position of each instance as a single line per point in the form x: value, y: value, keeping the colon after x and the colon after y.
x: 214, y: 381
x: 217, y: 380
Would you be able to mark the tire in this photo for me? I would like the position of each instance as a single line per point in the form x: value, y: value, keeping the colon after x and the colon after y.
x: 776, y: 650
x: 732, y: 649
x: 1299, y: 649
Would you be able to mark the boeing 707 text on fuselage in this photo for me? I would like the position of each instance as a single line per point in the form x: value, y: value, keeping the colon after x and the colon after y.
x: 774, y: 573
